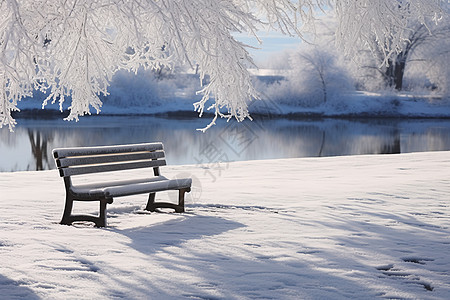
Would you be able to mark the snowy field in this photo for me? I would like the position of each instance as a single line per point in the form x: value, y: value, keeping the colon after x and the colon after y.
x: 358, y: 227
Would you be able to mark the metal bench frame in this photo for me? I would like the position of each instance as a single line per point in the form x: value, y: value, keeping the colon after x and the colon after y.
x: 91, y: 160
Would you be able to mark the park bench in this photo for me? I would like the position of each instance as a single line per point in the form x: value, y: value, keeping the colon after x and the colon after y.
x: 94, y: 160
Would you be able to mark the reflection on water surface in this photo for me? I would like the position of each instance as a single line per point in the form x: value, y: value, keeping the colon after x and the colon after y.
x: 29, y: 147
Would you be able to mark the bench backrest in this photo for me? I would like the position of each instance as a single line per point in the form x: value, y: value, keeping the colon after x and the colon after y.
x: 86, y: 160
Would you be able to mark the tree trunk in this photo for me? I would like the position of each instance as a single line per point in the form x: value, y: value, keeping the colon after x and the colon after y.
x: 399, y: 73
x: 389, y: 73
x: 395, y: 71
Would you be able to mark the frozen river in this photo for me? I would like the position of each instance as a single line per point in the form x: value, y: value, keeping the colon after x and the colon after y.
x: 29, y: 147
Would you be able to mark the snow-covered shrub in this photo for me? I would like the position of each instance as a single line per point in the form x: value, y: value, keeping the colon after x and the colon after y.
x: 316, y: 77
x: 439, y: 74
x: 129, y: 89
x: 432, y: 62
x: 147, y: 89
x: 364, y: 70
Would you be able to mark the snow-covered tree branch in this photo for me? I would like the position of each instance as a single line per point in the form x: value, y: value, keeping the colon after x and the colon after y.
x: 74, y: 47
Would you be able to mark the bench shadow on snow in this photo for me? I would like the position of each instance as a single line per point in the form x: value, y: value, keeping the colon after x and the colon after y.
x: 10, y: 289
x: 218, y: 273
x: 150, y: 239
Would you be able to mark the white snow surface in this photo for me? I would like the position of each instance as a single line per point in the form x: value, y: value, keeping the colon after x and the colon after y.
x: 358, y: 227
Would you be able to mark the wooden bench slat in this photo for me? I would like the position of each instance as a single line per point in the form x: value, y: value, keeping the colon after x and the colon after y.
x: 78, y: 151
x: 107, y: 158
x: 65, y: 172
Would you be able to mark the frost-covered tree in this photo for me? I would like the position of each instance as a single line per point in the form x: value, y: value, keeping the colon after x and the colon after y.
x: 418, y: 36
x: 74, y: 47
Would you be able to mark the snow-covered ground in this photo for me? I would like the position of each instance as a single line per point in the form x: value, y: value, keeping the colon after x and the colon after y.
x: 358, y: 227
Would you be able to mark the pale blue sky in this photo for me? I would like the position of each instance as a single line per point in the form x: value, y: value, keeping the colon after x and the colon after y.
x: 273, y: 42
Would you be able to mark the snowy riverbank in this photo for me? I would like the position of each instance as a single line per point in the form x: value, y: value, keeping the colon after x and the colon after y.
x: 358, y: 104
x: 329, y: 228
x: 174, y: 96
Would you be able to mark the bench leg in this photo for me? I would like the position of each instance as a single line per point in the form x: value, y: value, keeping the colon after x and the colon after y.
x: 179, y: 208
x: 150, y: 202
x: 67, y: 211
x: 101, y: 222
x: 68, y: 218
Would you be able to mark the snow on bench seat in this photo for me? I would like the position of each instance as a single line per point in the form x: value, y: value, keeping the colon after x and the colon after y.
x: 134, y: 188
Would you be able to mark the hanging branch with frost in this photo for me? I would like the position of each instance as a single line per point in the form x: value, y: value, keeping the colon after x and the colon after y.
x: 74, y: 47
x: 17, y: 50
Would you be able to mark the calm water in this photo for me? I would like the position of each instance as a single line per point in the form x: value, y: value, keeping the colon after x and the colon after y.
x: 29, y: 147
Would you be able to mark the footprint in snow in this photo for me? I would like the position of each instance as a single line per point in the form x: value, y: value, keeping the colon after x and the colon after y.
x: 416, y: 260
x: 390, y: 271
